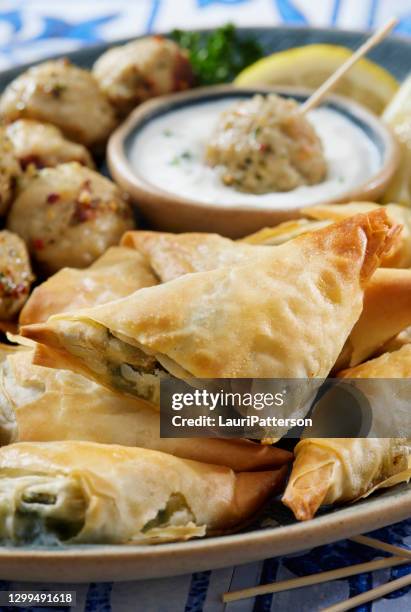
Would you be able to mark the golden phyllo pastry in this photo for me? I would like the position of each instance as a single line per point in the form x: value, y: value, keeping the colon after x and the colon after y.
x: 271, y: 317
x: 173, y: 255
x: 386, y: 313
x: 331, y: 470
x: 387, y: 297
x: 42, y: 405
x: 396, y: 364
x: 400, y: 254
x: 321, y: 215
x: 117, y: 273
x: 81, y: 492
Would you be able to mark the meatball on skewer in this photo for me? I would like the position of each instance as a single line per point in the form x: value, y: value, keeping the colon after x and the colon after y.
x: 142, y: 69
x: 15, y: 275
x: 62, y: 94
x: 69, y: 216
x: 264, y: 144
x: 43, y: 145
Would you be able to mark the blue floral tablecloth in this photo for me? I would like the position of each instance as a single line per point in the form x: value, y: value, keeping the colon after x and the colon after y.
x: 32, y: 29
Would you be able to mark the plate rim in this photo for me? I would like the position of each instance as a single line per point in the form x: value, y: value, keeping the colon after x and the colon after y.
x: 115, y: 563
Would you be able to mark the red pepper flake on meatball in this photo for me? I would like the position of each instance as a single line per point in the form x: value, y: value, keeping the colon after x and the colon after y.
x: 15, y: 275
x: 52, y: 198
x: 69, y: 216
x: 38, y: 244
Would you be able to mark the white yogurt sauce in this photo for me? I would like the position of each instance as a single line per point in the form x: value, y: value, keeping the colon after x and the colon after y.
x: 169, y: 153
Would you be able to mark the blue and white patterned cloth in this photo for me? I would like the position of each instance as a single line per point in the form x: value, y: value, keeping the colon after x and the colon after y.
x: 30, y: 30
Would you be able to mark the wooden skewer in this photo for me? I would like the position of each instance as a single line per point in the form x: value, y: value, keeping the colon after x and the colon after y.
x: 324, y: 89
x: 296, y: 583
x: 371, y: 595
x: 398, y: 551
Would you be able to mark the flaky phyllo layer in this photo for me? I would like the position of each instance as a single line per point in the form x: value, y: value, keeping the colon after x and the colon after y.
x: 333, y: 470
x: 66, y: 492
x: 118, y: 363
x: 330, y: 470
x: 125, y: 366
x: 49, y: 510
x: 10, y: 395
x: 39, y: 404
x: 267, y: 317
x: 40, y: 509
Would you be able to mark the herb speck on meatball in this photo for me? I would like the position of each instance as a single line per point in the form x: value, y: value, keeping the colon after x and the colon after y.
x: 263, y: 144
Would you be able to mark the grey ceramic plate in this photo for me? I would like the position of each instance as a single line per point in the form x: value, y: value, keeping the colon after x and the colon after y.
x: 284, y: 535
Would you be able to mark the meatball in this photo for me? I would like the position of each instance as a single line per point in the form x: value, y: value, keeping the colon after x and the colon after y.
x: 264, y: 144
x: 43, y: 145
x: 9, y: 172
x: 69, y: 216
x: 62, y: 94
x: 141, y: 70
x: 15, y: 275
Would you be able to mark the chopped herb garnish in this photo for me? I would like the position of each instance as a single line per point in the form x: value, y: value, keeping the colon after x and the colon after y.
x: 185, y: 155
x: 57, y: 90
x: 167, y: 133
x: 6, y: 283
x: 218, y: 56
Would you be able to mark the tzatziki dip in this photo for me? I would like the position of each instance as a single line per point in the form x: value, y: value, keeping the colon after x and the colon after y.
x: 169, y: 153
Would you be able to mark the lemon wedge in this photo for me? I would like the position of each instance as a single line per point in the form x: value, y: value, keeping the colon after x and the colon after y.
x: 311, y: 65
x: 398, y: 116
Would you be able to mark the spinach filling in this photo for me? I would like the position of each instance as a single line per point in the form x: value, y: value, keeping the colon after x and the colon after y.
x: 124, y: 366
x: 132, y: 370
x: 176, y: 512
x: 46, y: 510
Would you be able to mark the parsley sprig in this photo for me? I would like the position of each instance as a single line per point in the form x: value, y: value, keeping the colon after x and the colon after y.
x: 218, y: 56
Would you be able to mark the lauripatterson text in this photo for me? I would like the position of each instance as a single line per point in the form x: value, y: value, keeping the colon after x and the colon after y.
x: 247, y: 421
